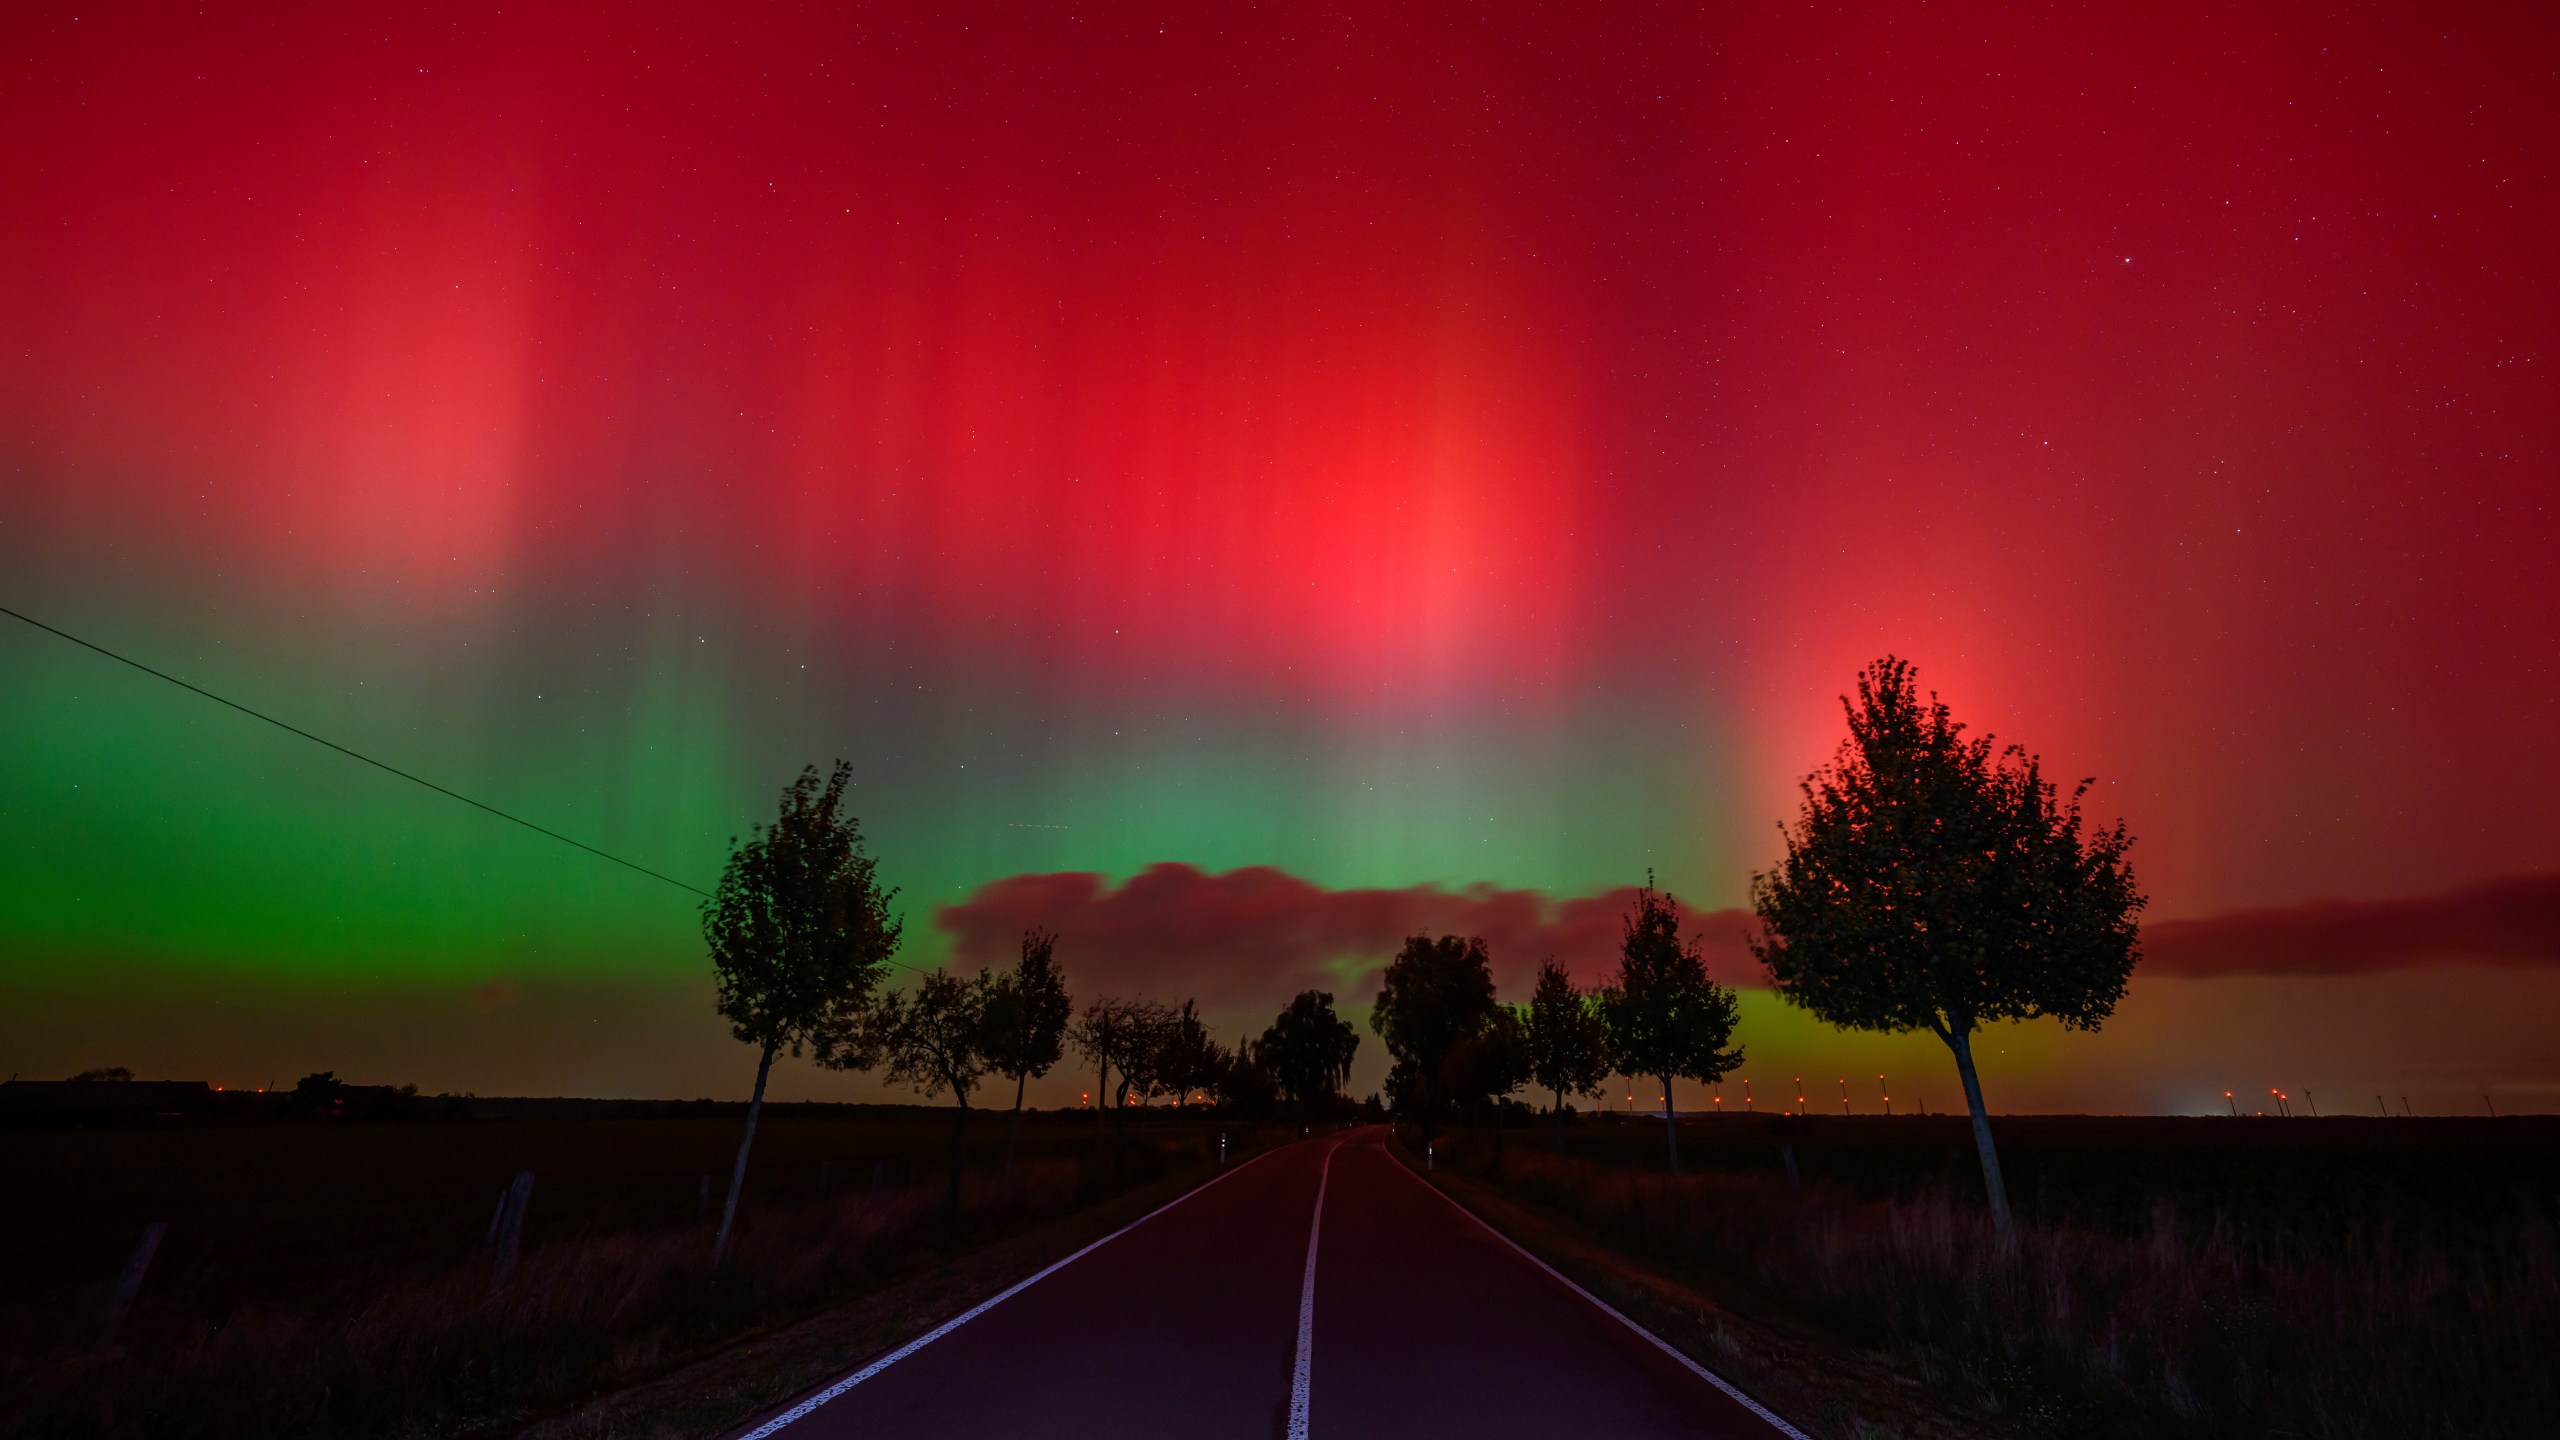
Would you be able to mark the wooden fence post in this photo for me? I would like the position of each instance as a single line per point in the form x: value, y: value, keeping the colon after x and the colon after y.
x: 129, y: 1284
x: 511, y: 1229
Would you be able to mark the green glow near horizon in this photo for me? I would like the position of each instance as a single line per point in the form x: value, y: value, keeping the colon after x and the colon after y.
x: 150, y: 824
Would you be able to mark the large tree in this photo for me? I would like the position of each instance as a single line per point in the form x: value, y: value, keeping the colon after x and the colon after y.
x: 1437, y: 994
x: 1666, y: 1018
x: 1491, y: 1061
x: 1935, y: 882
x: 800, y: 934
x: 1307, y: 1049
x: 934, y: 1039
x: 1244, y: 1086
x: 1026, y: 1022
x: 1568, y: 1043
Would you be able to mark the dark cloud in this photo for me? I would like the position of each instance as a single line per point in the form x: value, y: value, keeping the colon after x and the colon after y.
x: 1253, y: 937
x: 1248, y: 939
x: 2514, y: 921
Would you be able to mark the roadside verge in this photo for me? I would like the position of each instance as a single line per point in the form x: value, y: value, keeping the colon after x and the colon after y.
x: 1829, y: 1391
x: 725, y: 1391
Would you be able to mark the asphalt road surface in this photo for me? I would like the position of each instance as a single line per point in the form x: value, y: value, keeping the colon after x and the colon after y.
x: 1242, y: 1311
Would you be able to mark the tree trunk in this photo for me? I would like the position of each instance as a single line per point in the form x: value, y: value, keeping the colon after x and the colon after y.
x: 1559, y: 1110
x: 1120, y: 1127
x: 738, y: 1174
x: 1101, y: 1098
x: 959, y: 1123
x: 1670, y: 1127
x: 1015, y: 1134
x: 1961, y: 1041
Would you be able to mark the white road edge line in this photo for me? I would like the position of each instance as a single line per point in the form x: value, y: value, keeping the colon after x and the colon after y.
x: 1614, y: 1313
x: 1301, y: 1377
x: 802, y: 1410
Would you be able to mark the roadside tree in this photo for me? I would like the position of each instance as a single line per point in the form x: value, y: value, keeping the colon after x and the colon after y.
x: 1666, y: 1019
x: 800, y: 934
x: 1185, y: 1058
x: 1244, y: 1086
x: 933, y: 1039
x: 1489, y: 1062
x: 1122, y: 1036
x: 1028, y: 1010
x: 1933, y: 882
x: 1437, y: 994
x: 1568, y: 1042
x: 1308, y: 1051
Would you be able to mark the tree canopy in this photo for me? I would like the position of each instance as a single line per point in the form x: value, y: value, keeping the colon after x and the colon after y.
x: 1308, y: 1050
x: 800, y: 930
x: 1027, y: 1013
x: 1666, y: 1018
x: 1438, y: 993
x: 1490, y: 1061
x: 1123, y: 1035
x: 1193, y: 1059
x: 934, y: 1039
x: 1938, y: 882
x: 1028, y: 1009
x: 1568, y: 1041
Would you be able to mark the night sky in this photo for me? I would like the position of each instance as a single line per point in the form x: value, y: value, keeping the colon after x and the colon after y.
x: 1337, y: 471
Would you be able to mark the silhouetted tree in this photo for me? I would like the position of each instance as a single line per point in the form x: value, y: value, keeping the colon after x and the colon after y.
x: 1665, y: 1018
x: 1933, y: 882
x: 1568, y: 1042
x: 1437, y: 993
x: 1026, y: 1024
x: 800, y: 934
x: 1489, y: 1062
x: 1307, y: 1049
x: 934, y: 1039
x: 1120, y: 1035
x: 1099, y: 1035
x: 1505, y: 1060
x: 108, y: 1072
x: 1185, y: 1056
x: 1159, y: 1056
x: 315, y: 1094
x: 1244, y: 1085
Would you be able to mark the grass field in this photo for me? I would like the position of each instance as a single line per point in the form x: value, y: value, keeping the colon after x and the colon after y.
x: 332, y: 1277
x: 262, y: 1208
x: 2171, y: 1277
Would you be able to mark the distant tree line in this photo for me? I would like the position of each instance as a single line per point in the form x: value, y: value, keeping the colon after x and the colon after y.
x: 802, y: 939
x: 1932, y: 881
x: 1456, y: 1046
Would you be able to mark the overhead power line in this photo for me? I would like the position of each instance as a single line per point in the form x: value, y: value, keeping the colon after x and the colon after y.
x: 354, y: 754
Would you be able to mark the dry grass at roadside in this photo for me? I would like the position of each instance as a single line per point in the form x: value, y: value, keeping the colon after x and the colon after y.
x: 724, y: 1391
x: 434, y: 1353
x: 2369, y: 1325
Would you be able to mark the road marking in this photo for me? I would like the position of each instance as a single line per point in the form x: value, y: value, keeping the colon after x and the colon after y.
x: 802, y: 1410
x: 1612, y: 1311
x: 1299, y: 1378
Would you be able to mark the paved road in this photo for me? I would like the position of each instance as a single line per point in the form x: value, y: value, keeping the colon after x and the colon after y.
x: 1418, y: 1321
